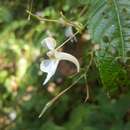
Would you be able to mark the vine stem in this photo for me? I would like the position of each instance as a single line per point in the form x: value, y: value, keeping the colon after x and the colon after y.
x: 59, y: 95
x: 30, y: 7
x: 42, y: 19
x: 67, y: 40
x: 59, y: 21
x: 69, y: 23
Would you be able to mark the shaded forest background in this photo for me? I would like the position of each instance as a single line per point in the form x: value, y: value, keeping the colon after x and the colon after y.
x: 105, y: 85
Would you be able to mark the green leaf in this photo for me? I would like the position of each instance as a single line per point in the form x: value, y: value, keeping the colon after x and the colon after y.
x: 109, y: 26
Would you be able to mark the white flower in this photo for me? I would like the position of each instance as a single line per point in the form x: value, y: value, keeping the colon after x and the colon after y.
x: 49, y: 66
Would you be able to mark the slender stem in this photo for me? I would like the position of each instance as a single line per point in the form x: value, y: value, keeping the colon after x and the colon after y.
x: 43, y: 19
x: 87, y: 91
x: 67, y: 40
x: 82, y: 11
x: 30, y: 8
x: 87, y: 68
x: 59, y: 95
x: 65, y: 20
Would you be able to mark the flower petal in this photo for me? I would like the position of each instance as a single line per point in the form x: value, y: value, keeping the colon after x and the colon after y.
x: 49, y: 66
x: 49, y: 43
x: 68, y: 57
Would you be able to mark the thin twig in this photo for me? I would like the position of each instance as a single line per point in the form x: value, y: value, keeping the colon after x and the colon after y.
x: 30, y: 8
x: 82, y: 11
x: 87, y: 68
x: 87, y: 93
x: 50, y: 103
x: 43, y: 19
x: 67, y: 40
x: 66, y: 21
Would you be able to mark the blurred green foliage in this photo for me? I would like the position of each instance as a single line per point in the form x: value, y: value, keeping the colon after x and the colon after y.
x: 22, y: 95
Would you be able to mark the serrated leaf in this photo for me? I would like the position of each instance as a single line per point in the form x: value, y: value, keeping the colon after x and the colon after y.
x: 109, y: 26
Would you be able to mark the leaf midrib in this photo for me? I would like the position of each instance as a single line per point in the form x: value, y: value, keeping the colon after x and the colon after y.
x: 122, y: 51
